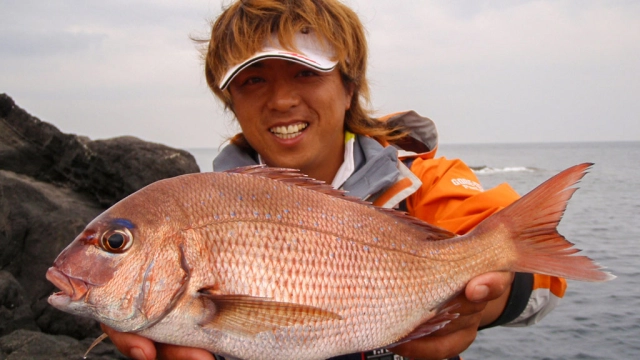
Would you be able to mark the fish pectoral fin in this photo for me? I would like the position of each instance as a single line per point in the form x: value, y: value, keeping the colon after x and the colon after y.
x: 249, y: 315
x: 441, y: 318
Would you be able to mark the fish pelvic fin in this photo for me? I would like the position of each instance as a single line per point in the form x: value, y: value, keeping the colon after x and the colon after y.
x: 249, y: 315
x: 94, y: 344
x: 532, y: 222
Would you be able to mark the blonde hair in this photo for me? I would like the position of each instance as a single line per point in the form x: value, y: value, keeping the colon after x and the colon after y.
x: 242, y: 28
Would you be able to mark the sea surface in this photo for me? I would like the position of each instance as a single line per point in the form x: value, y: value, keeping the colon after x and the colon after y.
x: 594, y: 320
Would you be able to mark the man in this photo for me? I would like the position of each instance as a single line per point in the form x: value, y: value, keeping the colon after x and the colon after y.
x: 294, y: 75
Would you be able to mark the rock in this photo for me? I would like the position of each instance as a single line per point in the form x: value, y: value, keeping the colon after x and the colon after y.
x: 107, y: 170
x: 38, y: 221
x: 51, y: 185
x: 33, y: 345
x: 15, y: 312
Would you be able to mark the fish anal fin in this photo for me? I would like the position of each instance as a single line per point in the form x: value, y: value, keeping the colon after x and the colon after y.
x: 441, y: 318
x: 249, y: 315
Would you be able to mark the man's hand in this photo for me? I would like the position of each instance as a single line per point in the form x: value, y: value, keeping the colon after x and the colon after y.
x: 480, y: 304
x: 140, y: 348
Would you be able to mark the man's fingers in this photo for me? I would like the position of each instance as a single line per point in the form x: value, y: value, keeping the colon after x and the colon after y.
x: 437, y: 347
x: 167, y: 352
x: 131, y: 345
x: 139, y: 348
x: 489, y: 286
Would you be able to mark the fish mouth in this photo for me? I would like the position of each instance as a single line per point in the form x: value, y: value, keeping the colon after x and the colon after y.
x: 72, y: 288
x: 289, y: 131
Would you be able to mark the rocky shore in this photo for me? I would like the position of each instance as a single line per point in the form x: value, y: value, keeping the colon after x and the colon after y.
x: 51, y: 185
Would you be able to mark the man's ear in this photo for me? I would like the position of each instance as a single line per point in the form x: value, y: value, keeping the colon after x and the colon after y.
x: 228, y: 101
x: 350, y: 89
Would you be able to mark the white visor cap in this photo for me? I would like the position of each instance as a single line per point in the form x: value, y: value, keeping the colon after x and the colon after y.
x: 310, y: 53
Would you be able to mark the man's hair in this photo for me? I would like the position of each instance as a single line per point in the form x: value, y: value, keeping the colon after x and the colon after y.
x: 241, y: 30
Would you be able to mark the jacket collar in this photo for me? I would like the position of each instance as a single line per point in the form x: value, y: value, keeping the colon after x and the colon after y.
x: 375, y: 166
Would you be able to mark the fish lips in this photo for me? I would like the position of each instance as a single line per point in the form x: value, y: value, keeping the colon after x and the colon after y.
x: 72, y: 289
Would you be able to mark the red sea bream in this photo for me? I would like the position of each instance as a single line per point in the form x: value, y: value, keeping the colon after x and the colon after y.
x: 262, y: 263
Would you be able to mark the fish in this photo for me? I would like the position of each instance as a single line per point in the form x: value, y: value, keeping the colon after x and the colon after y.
x: 267, y: 263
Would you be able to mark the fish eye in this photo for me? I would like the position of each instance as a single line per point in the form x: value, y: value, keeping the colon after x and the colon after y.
x: 116, y: 240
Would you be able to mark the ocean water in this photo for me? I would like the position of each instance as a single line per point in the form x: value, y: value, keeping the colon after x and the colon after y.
x: 594, y: 320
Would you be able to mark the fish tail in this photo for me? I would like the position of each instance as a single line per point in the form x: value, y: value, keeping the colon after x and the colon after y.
x: 532, y: 224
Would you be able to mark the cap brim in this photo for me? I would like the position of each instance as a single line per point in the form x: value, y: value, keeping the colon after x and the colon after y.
x: 320, y: 64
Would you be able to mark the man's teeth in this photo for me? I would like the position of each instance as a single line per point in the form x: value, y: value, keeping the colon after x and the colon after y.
x: 288, y: 132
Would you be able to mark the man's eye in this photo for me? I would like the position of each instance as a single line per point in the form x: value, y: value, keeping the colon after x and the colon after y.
x: 307, y: 73
x: 252, y: 80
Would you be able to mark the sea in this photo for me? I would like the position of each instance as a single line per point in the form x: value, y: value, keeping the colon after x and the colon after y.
x: 594, y: 320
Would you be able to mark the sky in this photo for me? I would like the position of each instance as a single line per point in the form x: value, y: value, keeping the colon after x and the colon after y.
x: 503, y: 71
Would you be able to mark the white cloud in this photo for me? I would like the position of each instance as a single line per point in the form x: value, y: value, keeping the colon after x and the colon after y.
x: 486, y: 71
x: 510, y: 73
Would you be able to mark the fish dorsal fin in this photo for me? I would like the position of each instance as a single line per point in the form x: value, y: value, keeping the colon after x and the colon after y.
x: 249, y: 315
x: 295, y: 177
x: 431, y: 232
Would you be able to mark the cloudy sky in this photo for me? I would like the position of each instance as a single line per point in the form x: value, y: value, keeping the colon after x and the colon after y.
x: 485, y: 71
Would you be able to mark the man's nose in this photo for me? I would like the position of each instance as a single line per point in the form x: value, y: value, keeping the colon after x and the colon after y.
x: 284, y: 96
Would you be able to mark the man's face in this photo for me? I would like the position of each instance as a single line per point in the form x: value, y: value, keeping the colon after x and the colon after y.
x: 292, y: 115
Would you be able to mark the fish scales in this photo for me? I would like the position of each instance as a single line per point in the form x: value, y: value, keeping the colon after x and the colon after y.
x: 357, y: 237
x: 326, y: 288
x: 320, y: 225
x: 262, y: 264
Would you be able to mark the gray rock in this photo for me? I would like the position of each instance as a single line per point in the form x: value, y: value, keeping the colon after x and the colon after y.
x: 106, y: 170
x: 37, y: 221
x: 51, y: 185
x: 15, y: 312
x: 33, y: 345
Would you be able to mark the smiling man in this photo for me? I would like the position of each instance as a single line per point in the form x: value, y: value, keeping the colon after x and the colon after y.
x: 294, y: 75
x: 293, y: 115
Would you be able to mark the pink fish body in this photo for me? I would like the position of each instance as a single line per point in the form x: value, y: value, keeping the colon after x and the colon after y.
x: 263, y: 263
